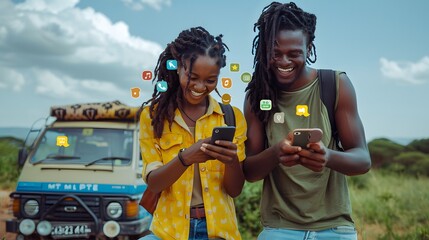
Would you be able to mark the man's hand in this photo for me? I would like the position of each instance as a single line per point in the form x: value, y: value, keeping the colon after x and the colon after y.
x: 287, y: 154
x: 315, y: 157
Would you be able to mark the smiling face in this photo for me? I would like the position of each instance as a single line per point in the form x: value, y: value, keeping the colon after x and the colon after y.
x: 290, y: 53
x: 203, y: 79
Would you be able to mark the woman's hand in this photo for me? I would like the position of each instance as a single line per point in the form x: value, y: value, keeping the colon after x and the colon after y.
x: 193, y: 154
x: 224, y: 151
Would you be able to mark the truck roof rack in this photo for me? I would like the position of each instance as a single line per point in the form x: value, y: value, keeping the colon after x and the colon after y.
x: 114, y: 110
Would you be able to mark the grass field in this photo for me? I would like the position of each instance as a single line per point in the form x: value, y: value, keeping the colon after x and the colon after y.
x: 390, y: 206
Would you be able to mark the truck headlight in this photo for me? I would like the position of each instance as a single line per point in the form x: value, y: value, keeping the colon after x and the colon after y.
x: 31, y: 208
x: 27, y: 227
x: 114, y: 210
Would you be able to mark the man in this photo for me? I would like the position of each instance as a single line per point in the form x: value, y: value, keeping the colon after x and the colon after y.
x: 305, y: 191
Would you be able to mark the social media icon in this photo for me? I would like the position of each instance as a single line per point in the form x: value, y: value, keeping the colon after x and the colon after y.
x: 62, y: 141
x: 171, y: 64
x: 226, y: 98
x: 279, y: 117
x: 226, y: 82
x: 147, y: 75
x: 302, y: 110
x: 135, y: 92
x: 87, y: 132
x: 162, y: 86
x: 265, y: 104
x: 234, y: 67
x: 246, y: 77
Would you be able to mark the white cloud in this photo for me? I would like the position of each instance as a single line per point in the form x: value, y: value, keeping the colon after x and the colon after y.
x: 66, y: 51
x: 406, y: 72
x: 57, y: 85
x: 138, y: 5
x: 12, y: 79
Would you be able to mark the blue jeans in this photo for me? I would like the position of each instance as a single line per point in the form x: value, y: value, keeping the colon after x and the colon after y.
x: 197, y: 231
x: 340, y: 232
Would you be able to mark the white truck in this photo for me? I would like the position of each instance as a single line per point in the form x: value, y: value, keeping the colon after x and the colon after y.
x: 81, y: 177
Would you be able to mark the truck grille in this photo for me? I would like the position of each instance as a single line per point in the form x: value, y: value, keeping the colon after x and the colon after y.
x: 70, y: 210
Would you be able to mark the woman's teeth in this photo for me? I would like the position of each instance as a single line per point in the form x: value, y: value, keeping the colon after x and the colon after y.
x: 196, y: 94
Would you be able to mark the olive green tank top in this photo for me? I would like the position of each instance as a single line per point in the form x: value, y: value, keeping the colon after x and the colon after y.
x: 296, y: 197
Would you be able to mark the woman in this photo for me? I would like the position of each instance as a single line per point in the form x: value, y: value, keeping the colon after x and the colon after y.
x: 197, y: 180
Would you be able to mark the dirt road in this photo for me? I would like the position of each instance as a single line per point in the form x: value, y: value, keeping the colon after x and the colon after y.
x: 5, y: 213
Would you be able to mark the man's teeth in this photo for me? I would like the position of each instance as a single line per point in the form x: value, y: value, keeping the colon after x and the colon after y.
x: 285, y: 69
x: 196, y: 94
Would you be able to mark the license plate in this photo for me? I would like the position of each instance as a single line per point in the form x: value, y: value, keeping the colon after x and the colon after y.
x: 70, y: 230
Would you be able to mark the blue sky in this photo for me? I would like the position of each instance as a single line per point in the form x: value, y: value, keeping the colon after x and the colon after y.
x: 71, y: 51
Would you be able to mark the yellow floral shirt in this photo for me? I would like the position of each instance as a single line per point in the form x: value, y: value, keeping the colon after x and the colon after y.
x: 171, y: 218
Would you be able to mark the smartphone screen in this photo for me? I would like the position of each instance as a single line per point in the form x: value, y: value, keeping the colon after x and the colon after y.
x: 223, y: 133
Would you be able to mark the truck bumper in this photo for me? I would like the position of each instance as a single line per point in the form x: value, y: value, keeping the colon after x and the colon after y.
x: 84, y: 229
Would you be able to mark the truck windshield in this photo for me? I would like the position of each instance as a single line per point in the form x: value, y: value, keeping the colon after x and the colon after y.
x: 98, y: 146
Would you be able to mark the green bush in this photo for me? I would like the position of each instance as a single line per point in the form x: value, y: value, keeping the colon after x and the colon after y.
x: 247, y: 208
x: 9, y: 171
x: 411, y: 163
x: 421, y: 145
x: 382, y: 151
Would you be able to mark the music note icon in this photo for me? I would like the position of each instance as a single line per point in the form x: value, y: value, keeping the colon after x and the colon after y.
x: 147, y: 75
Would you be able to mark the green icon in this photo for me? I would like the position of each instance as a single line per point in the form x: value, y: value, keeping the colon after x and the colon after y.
x: 234, y: 67
x: 265, y: 104
x: 246, y: 77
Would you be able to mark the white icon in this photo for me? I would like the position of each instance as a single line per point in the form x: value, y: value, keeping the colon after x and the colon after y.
x: 279, y: 117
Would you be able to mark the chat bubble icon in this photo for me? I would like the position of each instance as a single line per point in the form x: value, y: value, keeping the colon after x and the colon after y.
x: 302, y: 110
x: 62, y: 141
x: 279, y: 117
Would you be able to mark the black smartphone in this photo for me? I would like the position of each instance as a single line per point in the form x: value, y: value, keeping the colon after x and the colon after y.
x: 304, y: 136
x: 223, y: 133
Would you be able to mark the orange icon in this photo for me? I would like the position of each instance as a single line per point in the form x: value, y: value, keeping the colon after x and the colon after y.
x: 147, y: 75
x: 226, y: 82
x: 135, y: 92
x: 226, y: 98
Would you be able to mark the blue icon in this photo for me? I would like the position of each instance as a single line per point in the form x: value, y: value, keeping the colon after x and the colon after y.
x: 171, y: 64
x: 162, y: 86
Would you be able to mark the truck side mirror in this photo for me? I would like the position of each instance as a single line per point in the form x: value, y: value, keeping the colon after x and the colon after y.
x: 22, y: 156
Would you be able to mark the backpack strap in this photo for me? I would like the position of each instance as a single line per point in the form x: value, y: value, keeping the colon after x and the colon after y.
x: 229, y: 115
x: 328, y: 95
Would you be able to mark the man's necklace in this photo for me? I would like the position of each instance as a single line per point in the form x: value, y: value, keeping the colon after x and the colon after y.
x: 195, y: 121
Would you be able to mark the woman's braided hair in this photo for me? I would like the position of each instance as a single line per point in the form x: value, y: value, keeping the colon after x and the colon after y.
x: 188, y: 45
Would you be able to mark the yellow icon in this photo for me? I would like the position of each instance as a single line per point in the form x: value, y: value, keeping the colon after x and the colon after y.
x: 226, y: 82
x: 87, y: 131
x: 234, y: 67
x: 226, y: 98
x: 62, y: 141
x: 135, y: 92
x: 302, y: 110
